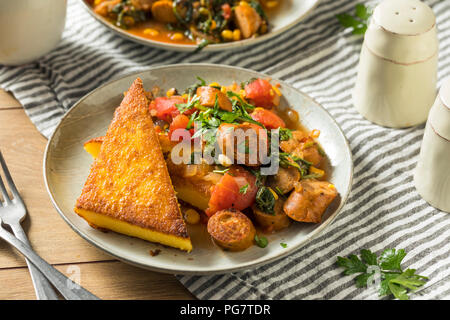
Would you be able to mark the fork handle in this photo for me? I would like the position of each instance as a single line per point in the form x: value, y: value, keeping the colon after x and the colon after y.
x: 42, y: 287
x: 69, y: 289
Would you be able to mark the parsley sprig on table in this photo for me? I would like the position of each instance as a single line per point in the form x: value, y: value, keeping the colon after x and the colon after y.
x: 358, y: 21
x: 394, y: 280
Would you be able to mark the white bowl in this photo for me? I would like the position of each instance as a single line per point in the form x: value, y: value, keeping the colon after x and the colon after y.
x: 290, y: 13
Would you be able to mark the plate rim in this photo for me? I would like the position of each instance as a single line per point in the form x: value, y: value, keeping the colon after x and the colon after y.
x: 191, y: 48
x: 242, y: 266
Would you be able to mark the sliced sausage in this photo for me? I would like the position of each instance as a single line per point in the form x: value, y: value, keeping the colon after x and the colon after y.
x: 247, y: 19
x: 272, y: 222
x: 162, y: 11
x: 310, y: 200
x: 284, y: 180
x: 208, y: 98
x: 303, y: 146
x: 243, y: 142
x: 232, y: 230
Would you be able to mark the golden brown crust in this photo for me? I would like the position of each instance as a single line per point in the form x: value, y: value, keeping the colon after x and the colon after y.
x: 232, y: 230
x: 129, y: 180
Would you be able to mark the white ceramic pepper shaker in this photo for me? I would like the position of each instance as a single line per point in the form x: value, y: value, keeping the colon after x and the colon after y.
x: 397, y: 72
x: 432, y: 175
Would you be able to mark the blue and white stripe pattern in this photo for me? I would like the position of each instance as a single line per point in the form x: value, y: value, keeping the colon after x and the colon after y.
x: 320, y: 58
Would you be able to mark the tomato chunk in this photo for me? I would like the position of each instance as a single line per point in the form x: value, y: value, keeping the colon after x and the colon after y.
x: 166, y: 108
x: 226, y: 11
x: 236, y: 189
x: 261, y: 94
x: 180, y: 122
x: 268, y: 118
x: 223, y: 195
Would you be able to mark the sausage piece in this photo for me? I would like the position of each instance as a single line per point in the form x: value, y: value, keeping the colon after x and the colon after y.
x: 302, y: 146
x: 144, y: 5
x: 104, y: 8
x: 284, y: 180
x: 162, y: 11
x: 232, y: 230
x: 272, y: 222
x: 247, y: 19
x: 208, y: 98
x: 310, y: 200
x: 246, y: 142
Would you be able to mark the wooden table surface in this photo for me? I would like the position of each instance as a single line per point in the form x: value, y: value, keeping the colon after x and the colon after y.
x: 23, y: 147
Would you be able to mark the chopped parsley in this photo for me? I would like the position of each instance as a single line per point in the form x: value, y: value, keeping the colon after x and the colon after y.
x: 265, y: 200
x: 394, y: 280
x: 261, y: 242
x: 358, y: 21
x: 243, y: 189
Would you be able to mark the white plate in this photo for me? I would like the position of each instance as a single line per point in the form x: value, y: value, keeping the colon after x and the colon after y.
x: 290, y: 13
x: 66, y: 166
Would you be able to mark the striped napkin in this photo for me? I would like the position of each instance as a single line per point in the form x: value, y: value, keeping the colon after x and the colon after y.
x: 320, y: 58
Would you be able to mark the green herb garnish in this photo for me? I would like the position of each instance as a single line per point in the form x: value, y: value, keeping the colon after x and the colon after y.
x: 394, y: 280
x: 261, y: 241
x: 284, y: 245
x: 358, y: 21
x: 243, y: 189
x: 265, y: 200
x: 285, y: 134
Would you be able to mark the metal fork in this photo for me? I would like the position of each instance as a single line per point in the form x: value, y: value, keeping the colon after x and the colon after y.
x: 12, y: 213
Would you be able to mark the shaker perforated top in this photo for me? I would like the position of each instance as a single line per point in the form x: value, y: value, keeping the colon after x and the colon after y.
x: 404, y: 17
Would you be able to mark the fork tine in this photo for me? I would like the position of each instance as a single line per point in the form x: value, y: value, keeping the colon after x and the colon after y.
x: 3, y: 191
x: 9, y: 180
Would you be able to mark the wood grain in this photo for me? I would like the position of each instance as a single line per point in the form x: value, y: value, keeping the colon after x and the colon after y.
x: 23, y: 147
x: 107, y: 280
x: 7, y: 101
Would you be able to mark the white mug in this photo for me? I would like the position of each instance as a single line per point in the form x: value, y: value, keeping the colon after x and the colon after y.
x: 29, y: 29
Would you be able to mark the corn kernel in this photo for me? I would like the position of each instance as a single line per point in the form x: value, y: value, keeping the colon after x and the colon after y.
x: 271, y: 4
x: 214, y: 84
x: 237, y: 35
x: 223, y: 89
x: 320, y: 173
x: 170, y: 92
x: 192, y: 216
x: 97, y: 2
x: 243, y: 3
x: 151, y: 32
x: 227, y: 34
x: 177, y: 36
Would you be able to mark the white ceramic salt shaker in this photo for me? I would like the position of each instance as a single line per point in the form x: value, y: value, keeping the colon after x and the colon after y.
x: 432, y: 175
x: 397, y: 72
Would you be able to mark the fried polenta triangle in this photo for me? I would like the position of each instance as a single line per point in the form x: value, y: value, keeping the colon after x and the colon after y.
x: 128, y: 189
